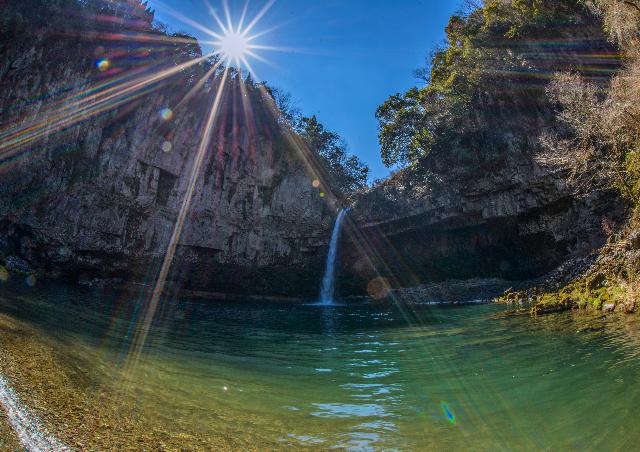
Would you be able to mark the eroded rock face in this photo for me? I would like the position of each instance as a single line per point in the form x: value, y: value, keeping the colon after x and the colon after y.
x: 479, y: 205
x: 520, y: 225
x: 101, y: 198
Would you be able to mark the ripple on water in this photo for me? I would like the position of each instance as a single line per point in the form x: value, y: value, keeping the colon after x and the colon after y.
x: 358, y: 377
x: 349, y: 410
x: 380, y: 374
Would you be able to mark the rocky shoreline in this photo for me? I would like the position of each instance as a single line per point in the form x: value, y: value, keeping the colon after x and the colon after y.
x: 8, y: 437
x: 63, y: 395
x: 605, y: 281
x: 453, y: 291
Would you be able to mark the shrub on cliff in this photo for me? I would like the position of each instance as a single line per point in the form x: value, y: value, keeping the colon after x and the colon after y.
x: 345, y: 172
x: 490, y: 75
x: 598, y: 133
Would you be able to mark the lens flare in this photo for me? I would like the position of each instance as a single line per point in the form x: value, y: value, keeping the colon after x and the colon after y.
x: 166, y: 114
x: 103, y: 64
x: 30, y: 280
x: 448, y: 413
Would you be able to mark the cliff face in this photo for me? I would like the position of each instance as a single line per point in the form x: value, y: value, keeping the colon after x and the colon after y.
x: 479, y: 204
x: 508, y: 219
x: 100, y: 127
x: 100, y: 197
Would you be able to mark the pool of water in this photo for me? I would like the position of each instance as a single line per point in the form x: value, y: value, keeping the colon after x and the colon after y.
x: 358, y: 375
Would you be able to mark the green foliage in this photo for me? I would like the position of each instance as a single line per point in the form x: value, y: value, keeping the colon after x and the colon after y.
x: 632, y: 171
x: 593, y: 293
x: 484, y: 64
x: 347, y: 172
x: 404, y: 134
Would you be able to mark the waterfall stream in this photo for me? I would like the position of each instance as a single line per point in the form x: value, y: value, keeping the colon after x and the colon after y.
x: 326, y: 292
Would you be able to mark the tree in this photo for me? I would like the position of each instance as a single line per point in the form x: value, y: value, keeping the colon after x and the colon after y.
x: 347, y: 171
x: 491, y: 61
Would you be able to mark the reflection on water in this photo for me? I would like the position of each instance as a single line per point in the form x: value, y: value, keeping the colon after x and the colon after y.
x: 358, y: 376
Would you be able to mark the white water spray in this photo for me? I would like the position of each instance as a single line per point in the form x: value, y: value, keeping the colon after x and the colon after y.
x: 326, y: 293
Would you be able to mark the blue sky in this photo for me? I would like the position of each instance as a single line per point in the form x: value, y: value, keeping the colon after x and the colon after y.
x: 347, y: 57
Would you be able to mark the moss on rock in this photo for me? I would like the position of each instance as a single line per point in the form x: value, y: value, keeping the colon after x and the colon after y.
x: 612, y: 284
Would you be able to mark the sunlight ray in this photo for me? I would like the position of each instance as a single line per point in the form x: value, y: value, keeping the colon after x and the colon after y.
x: 263, y: 33
x: 258, y: 17
x: 273, y: 48
x: 188, y: 21
x: 243, y: 15
x: 196, y: 167
x: 134, y: 37
x: 227, y: 15
x: 85, y: 108
x: 261, y: 59
x: 214, y: 14
x: 198, y: 86
x: 249, y: 68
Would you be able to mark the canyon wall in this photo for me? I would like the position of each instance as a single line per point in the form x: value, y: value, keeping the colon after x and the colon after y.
x: 511, y: 220
x: 93, y: 180
x: 480, y: 203
x: 99, y: 198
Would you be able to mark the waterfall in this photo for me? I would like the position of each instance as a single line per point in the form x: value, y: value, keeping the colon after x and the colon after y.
x: 326, y: 292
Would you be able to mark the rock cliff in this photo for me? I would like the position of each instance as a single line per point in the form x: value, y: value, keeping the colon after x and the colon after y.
x: 479, y: 204
x: 98, y: 197
x: 511, y: 220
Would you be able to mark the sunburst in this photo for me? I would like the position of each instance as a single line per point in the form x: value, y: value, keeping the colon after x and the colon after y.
x: 235, y: 43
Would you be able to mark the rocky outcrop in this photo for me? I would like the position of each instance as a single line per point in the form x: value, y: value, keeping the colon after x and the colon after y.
x: 479, y: 205
x: 100, y: 197
x: 515, y: 222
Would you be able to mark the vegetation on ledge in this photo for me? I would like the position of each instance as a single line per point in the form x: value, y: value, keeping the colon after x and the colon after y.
x: 597, y: 143
x: 611, y: 284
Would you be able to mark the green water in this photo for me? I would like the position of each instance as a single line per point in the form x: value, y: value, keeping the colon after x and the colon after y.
x: 357, y: 376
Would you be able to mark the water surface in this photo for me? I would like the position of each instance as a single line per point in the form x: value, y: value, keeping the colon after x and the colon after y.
x: 355, y: 375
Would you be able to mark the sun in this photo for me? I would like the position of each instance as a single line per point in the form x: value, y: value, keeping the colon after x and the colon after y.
x: 233, y: 47
x: 235, y: 42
